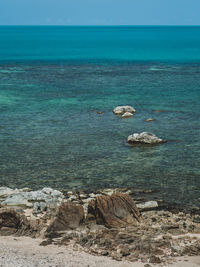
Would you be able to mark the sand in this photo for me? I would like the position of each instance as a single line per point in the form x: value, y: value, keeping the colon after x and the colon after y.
x: 25, y: 251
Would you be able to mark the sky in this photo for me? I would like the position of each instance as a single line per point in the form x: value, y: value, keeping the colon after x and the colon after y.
x: 99, y: 12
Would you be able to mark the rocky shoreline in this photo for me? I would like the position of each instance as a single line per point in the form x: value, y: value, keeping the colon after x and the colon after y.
x: 123, y: 224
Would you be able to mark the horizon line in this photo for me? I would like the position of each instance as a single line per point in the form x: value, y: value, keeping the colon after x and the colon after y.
x: 98, y: 25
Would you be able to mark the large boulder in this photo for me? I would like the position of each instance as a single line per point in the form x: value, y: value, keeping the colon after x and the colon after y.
x: 117, y: 210
x: 120, y: 110
x: 69, y: 216
x: 144, y: 138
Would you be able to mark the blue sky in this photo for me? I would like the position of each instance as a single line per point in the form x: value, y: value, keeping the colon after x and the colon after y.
x: 99, y: 12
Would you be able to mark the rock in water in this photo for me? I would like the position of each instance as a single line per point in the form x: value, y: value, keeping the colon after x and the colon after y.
x: 144, y: 138
x: 127, y: 115
x: 120, y: 110
x: 69, y: 216
x: 149, y: 120
x: 118, y: 210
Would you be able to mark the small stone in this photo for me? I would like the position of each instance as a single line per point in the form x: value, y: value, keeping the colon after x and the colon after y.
x: 196, y: 219
x: 149, y: 120
x: 104, y: 253
x: 125, y: 251
x: 154, y: 259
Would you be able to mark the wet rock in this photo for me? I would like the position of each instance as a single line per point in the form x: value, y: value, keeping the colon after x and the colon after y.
x: 120, y: 110
x: 118, y: 210
x: 100, y: 112
x: 69, y: 216
x: 144, y: 138
x: 127, y: 115
x: 149, y: 120
x: 149, y: 205
x: 159, y: 110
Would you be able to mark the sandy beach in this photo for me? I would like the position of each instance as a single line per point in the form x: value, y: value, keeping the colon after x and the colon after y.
x: 25, y: 251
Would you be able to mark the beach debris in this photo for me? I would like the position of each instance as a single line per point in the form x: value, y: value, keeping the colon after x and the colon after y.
x: 117, y: 210
x: 144, y: 138
x: 120, y: 110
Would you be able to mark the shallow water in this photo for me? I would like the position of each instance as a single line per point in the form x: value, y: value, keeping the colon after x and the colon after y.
x: 51, y: 135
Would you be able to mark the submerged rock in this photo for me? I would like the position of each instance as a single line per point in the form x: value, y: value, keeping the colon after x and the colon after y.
x: 120, y: 110
x: 118, y: 210
x: 144, y: 138
x: 149, y: 120
x: 127, y: 115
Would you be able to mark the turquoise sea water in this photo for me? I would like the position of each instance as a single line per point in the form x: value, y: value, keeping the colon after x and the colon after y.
x: 54, y: 79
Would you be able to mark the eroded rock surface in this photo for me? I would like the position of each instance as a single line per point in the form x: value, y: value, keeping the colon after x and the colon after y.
x: 68, y: 216
x: 40, y: 200
x: 117, y: 210
x: 144, y: 138
x: 120, y: 110
x: 12, y: 222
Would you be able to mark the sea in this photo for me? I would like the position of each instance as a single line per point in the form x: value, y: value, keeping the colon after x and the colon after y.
x: 54, y: 82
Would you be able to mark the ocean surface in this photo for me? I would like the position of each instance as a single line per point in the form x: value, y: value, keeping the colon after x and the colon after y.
x: 54, y: 80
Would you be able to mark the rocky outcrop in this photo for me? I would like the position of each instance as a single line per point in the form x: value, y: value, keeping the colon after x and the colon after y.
x: 120, y: 110
x: 41, y: 200
x: 144, y: 138
x: 12, y: 222
x: 69, y: 216
x: 118, y: 210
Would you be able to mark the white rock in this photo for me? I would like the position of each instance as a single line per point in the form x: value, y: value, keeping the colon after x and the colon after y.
x: 17, y: 199
x: 120, y: 110
x: 144, y: 138
x: 6, y: 191
x: 147, y: 205
x: 127, y: 115
x: 40, y: 199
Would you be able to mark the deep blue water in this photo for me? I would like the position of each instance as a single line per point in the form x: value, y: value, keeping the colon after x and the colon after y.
x: 54, y: 79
